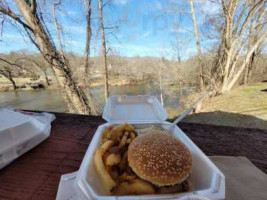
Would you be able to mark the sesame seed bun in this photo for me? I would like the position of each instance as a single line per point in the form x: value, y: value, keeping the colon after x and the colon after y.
x: 160, y: 158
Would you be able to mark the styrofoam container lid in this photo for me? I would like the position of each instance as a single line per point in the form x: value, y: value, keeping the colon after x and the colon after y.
x: 16, y: 128
x: 134, y: 108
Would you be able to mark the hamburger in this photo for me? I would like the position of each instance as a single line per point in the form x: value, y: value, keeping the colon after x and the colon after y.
x: 160, y: 159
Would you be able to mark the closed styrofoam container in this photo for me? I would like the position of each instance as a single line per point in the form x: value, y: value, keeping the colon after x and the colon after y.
x: 19, y: 133
x: 141, y: 112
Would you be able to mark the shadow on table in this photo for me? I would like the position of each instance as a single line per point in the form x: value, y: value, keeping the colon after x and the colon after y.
x: 227, y: 119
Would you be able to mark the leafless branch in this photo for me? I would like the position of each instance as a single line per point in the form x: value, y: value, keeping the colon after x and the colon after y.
x: 13, y: 64
x: 11, y: 14
x: 34, y: 6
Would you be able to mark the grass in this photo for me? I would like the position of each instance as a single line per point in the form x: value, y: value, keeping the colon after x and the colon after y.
x: 245, y: 106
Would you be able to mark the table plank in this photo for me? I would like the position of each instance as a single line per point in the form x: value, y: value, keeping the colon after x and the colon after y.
x: 36, y: 174
x: 230, y: 141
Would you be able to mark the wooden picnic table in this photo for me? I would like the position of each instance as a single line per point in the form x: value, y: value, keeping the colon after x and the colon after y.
x: 36, y: 174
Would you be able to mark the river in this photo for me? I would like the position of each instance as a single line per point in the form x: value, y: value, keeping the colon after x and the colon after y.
x: 51, y: 100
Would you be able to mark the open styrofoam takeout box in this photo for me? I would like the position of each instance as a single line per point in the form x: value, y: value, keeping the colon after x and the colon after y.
x: 19, y: 133
x: 141, y: 112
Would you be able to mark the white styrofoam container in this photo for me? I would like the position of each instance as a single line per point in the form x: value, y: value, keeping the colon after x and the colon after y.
x: 141, y: 112
x: 19, y: 133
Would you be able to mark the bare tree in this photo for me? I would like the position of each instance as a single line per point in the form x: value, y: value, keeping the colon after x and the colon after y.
x: 104, y: 49
x: 7, y: 72
x: 159, y: 70
x: 18, y: 67
x: 57, y: 27
x: 199, y: 52
x: 10, y: 70
x: 253, y: 36
x: 39, y: 35
x: 231, y: 60
x: 88, y: 8
x: 38, y: 64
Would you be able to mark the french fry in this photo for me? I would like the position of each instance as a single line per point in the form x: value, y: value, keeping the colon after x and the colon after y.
x: 126, y: 133
x: 136, y: 187
x: 105, y: 156
x: 132, y: 135
x: 108, y: 182
x: 106, y: 132
x: 115, y: 136
x: 118, y: 130
x: 123, y: 141
x: 126, y: 177
x: 113, y: 159
x: 106, y: 146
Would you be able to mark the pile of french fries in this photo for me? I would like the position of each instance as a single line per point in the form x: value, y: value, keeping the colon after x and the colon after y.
x: 111, y: 163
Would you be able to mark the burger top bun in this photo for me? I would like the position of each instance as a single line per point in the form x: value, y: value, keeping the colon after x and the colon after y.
x: 160, y: 158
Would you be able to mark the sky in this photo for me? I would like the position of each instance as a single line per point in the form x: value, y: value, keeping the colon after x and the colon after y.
x: 133, y: 28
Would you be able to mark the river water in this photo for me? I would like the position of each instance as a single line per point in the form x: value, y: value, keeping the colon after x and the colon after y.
x: 51, y: 100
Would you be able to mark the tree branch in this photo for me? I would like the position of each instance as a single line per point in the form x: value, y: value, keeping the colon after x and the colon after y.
x: 13, y: 64
x: 34, y: 6
x: 15, y: 17
x: 250, y: 13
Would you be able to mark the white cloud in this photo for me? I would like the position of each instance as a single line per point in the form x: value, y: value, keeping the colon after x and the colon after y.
x: 143, y: 50
x: 74, y: 43
x: 13, y: 36
x: 120, y: 2
x: 179, y: 30
x: 77, y: 29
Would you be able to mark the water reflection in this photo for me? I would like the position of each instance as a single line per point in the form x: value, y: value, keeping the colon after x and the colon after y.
x: 51, y: 100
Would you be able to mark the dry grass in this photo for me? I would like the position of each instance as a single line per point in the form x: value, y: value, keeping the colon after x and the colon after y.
x: 19, y: 81
x: 244, y: 106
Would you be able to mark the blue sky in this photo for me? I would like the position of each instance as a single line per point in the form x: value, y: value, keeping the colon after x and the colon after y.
x: 146, y: 28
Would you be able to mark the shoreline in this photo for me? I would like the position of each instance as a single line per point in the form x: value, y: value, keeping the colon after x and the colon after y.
x: 26, y: 84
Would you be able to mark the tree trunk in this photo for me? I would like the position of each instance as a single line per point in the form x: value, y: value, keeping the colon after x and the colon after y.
x: 8, y: 74
x: 161, y: 89
x: 235, y: 78
x: 77, y: 97
x: 57, y: 28
x: 46, y: 77
x: 159, y: 73
x: 88, y: 38
x: 249, y: 68
x: 230, y: 64
x: 252, y: 39
x: 87, y: 78
x: 245, y: 81
x: 199, y: 53
x: 104, y: 51
x: 13, y: 82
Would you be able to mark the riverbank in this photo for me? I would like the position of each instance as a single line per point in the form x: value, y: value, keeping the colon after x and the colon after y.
x: 29, y: 84
x: 23, y: 84
x: 244, y: 106
x: 52, y: 100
